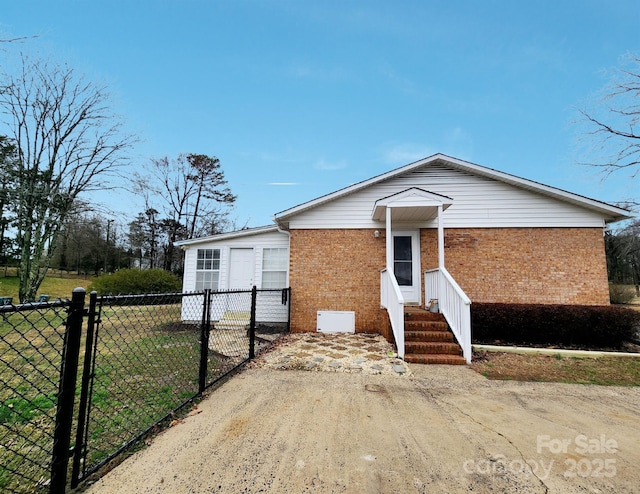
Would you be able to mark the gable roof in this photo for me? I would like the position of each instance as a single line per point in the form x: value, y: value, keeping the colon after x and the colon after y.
x: 609, y: 212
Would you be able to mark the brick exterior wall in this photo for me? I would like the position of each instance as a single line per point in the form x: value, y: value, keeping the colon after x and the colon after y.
x: 529, y: 265
x: 340, y: 269
x: 336, y: 270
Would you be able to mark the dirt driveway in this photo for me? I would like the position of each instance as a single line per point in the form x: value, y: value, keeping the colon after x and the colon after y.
x: 439, y: 429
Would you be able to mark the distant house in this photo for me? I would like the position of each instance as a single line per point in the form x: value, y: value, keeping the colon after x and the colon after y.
x: 438, y: 229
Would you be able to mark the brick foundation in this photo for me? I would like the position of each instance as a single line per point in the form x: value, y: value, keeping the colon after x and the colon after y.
x: 340, y: 269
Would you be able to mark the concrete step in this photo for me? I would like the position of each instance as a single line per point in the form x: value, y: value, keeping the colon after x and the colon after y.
x: 230, y: 325
x: 233, y: 320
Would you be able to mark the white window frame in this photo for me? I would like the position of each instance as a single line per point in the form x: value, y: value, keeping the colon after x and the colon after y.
x: 278, y: 265
x: 207, y: 269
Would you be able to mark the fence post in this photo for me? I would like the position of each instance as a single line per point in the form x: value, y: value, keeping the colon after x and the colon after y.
x: 66, y: 393
x: 87, y: 375
x: 288, y: 292
x: 252, y: 325
x: 205, y: 328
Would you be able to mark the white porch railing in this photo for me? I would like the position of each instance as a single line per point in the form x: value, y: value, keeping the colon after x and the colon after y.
x: 454, y: 305
x: 392, y: 300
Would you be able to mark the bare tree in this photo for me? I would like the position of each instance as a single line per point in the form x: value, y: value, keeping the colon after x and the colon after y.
x: 14, y: 40
x: 191, y: 192
x: 8, y: 183
x: 612, y: 124
x: 68, y: 141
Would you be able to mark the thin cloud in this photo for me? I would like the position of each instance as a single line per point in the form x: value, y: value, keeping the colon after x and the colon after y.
x: 307, y: 71
x: 286, y: 156
x: 401, y: 154
x: 321, y: 164
x: 458, y: 143
x: 403, y: 83
x: 454, y: 142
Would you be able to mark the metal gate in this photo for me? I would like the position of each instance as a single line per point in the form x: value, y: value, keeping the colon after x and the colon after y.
x: 145, y: 357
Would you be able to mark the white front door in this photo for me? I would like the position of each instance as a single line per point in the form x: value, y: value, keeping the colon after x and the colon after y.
x: 406, y: 264
x: 241, y: 269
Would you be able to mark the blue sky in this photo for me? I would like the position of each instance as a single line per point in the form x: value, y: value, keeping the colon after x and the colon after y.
x: 301, y: 98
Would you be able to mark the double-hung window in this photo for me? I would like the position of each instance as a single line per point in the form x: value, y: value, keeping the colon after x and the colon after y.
x: 274, y: 268
x: 207, y: 269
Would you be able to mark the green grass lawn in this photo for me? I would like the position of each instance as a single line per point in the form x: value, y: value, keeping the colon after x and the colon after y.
x: 604, y: 371
x: 55, y: 287
x: 146, y: 365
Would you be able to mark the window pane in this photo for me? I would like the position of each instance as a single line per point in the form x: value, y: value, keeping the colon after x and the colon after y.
x: 207, y: 279
x: 402, y: 248
x: 274, y: 279
x: 403, y: 272
x: 274, y: 259
x: 208, y: 259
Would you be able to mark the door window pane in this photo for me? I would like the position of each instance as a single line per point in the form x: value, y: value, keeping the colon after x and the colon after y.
x: 402, y: 248
x: 403, y: 273
x: 402, y: 260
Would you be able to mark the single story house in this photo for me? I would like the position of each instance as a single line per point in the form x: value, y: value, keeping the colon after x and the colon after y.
x: 439, y: 229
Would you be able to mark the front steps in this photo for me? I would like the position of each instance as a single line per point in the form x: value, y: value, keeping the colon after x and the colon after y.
x: 428, y: 339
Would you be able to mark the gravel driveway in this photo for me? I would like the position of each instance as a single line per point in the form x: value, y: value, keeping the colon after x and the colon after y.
x: 434, y: 429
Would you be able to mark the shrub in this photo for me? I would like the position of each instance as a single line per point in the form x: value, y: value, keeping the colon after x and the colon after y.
x: 136, y: 281
x: 621, y: 294
x: 570, y: 325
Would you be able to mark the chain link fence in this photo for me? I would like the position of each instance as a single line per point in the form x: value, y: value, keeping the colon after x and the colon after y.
x: 31, y: 348
x: 141, y: 360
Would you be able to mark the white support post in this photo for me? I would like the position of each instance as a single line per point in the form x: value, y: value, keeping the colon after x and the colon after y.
x: 389, y: 241
x: 440, y: 238
x: 441, y: 294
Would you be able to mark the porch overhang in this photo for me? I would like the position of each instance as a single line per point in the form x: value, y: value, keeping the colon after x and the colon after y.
x: 414, y: 204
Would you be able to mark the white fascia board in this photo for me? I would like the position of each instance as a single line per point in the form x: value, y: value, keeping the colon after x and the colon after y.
x: 229, y: 235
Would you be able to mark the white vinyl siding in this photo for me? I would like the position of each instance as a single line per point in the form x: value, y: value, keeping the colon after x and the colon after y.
x: 207, y: 269
x: 477, y: 202
x: 259, y: 241
x: 274, y: 267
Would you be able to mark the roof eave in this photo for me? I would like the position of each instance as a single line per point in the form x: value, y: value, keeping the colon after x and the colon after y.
x: 228, y: 235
